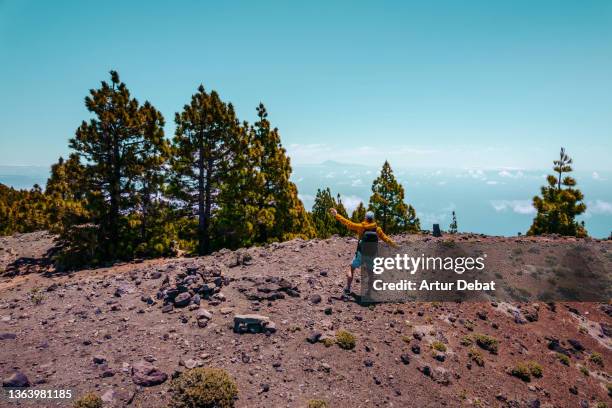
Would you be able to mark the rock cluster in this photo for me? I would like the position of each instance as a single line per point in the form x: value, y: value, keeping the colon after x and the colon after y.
x: 191, y: 287
x: 267, y: 288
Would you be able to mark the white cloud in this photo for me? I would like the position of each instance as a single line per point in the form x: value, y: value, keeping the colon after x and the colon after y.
x: 357, y: 183
x: 350, y: 202
x: 318, y: 152
x: 597, y: 176
x: 509, y: 174
x: 477, y: 174
x: 517, y: 206
x: 599, y: 207
x: 492, y: 182
x: 442, y: 182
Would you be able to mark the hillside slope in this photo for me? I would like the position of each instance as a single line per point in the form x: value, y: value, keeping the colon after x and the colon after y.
x: 87, y: 330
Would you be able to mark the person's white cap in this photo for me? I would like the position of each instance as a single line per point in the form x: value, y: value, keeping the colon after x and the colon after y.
x: 370, y: 216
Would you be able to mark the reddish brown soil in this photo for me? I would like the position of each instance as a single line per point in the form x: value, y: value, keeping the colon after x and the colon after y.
x: 58, y: 333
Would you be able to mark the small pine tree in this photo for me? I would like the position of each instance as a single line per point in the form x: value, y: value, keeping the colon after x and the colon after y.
x: 560, y: 203
x: 359, y: 213
x: 452, y: 228
x: 325, y: 224
x: 392, y: 214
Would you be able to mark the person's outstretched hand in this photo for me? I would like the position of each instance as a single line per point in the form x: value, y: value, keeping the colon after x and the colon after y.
x: 333, y: 211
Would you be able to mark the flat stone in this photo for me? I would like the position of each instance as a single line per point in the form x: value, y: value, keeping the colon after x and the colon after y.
x: 147, y: 375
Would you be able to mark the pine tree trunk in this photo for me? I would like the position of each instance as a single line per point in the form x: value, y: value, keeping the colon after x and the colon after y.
x: 201, y: 216
x: 208, y: 206
x: 115, y: 197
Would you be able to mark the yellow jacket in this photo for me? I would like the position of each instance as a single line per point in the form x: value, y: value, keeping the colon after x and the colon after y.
x: 361, y: 227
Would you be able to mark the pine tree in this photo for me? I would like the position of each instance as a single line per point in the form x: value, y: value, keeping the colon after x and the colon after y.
x: 281, y: 214
x: 560, y: 203
x: 325, y: 224
x: 392, y: 214
x: 66, y: 192
x: 204, y: 148
x: 452, y: 228
x: 236, y: 224
x: 112, y: 145
x: 150, y: 181
x: 359, y: 213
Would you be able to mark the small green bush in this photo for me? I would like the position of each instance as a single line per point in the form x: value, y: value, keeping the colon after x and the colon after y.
x: 487, y: 343
x: 535, y: 369
x: 204, y: 388
x: 597, y: 358
x: 345, y: 340
x: 89, y: 400
x: 521, y: 371
x: 609, y: 388
x: 584, y: 371
x: 476, y: 356
x: 563, y: 359
x: 601, y: 405
x: 466, y: 341
x: 438, y: 346
x: 317, y: 403
x: 525, y: 370
x: 328, y: 342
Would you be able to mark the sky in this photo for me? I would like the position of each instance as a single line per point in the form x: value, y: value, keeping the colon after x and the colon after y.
x: 442, y: 84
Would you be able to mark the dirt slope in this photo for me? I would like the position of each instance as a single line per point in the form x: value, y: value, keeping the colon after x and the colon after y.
x: 60, y: 323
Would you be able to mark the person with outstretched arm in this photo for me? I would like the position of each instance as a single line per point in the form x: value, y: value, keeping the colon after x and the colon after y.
x: 366, y: 227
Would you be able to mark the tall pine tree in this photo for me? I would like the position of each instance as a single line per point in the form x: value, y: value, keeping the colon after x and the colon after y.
x: 560, y: 203
x: 204, y: 148
x: 392, y: 214
x: 112, y: 145
x: 281, y: 214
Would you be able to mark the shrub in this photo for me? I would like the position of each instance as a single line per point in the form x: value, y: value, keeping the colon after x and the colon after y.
x: 476, y: 356
x: 521, y: 371
x: 487, y: 343
x: 535, y: 369
x: 597, y: 359
x: 438, y: 346
x: 601, y: 405
x: 609, y: 388
x: 328, y: 342
x: 204, y: 388
x: 563, y: 359
x: 317, y: 403
x: 524, y: 371
x: 36, y: 296
x: 466, y: 341
x: 89, y: 400
x: 584, y: 371
x: 468, y: 324
x: 345, y: 340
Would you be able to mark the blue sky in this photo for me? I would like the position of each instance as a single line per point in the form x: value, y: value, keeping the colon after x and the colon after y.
x: 476, y: 84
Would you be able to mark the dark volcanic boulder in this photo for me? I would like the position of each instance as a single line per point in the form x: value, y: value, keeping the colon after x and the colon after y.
x: 182, y: 300
x: 18, y: 379
x: 147, y: 375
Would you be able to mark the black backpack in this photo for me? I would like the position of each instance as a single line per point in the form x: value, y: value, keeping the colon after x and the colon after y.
x: 368, y: 244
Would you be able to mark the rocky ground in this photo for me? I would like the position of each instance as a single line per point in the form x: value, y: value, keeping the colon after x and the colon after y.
x: 125, y: 331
